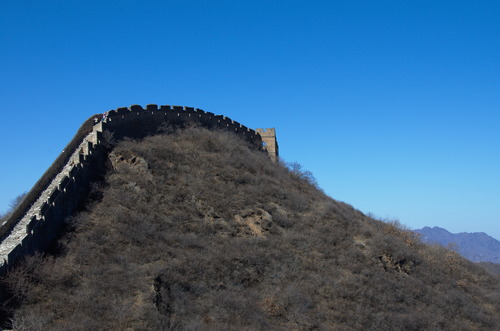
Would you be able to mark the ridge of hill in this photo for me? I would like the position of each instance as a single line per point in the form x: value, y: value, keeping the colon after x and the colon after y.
x: 477, y: 247
x: 38, y: 217
x: 493, y: 268
x: 192, y: 229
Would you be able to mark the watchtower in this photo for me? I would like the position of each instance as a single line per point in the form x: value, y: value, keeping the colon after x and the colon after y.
x: 270, y: 143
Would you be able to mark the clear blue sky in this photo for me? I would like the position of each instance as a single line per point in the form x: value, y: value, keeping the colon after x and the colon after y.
x: 393, y: 105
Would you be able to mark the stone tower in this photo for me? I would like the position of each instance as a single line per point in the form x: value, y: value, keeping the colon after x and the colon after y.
x: 270, y: 143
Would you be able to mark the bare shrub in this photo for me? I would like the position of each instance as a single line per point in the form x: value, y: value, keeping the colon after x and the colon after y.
x: 31, y: 321
x: 215, y: 236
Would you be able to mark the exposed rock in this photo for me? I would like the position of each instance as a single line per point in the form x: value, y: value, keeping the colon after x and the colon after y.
x: 129, y: 161
x: 256, y: 222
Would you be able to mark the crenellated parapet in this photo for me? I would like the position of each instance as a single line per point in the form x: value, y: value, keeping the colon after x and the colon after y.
x: 61, y: 190
x: 146, y: 121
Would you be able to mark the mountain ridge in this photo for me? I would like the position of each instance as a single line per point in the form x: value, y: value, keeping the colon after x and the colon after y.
x: 193, y: 229
x: 476, y: 246
x: 36, y: 220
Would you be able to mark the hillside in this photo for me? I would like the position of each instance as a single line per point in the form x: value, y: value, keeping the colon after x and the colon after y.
x: 493, y: 268
x: 477, y: 247
x: 193, y: 229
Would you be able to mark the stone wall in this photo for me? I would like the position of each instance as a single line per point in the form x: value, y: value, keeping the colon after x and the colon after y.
x: 61, y: 190
x: 49, y: 175
x: 270, y: 143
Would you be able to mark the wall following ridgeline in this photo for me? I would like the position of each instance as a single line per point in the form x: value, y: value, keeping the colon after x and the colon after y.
x: 39, y: 218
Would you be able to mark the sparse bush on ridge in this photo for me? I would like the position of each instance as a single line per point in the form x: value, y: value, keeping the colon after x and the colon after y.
x: 212, y: 235
x: 12, y: 205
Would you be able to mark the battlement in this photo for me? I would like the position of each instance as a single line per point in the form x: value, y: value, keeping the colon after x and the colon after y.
x: 270, y: 143
x: 61, y: 190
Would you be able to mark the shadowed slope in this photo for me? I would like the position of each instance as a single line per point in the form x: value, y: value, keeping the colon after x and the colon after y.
x: 194, y: 230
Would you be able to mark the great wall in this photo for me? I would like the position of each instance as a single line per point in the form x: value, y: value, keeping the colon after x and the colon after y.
x: 37, y: 221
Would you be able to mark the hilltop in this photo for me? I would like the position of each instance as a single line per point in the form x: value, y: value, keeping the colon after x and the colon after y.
x: 193, y: 229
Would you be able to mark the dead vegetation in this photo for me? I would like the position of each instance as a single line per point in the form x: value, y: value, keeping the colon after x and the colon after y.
x: 194, y: 230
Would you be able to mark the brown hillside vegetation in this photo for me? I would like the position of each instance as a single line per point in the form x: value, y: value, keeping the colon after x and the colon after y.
x: 195, y: 230
x: 493, y: 268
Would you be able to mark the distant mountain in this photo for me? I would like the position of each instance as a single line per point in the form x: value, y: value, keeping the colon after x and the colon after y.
x: 493, y: 268
x: 477, y: 246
